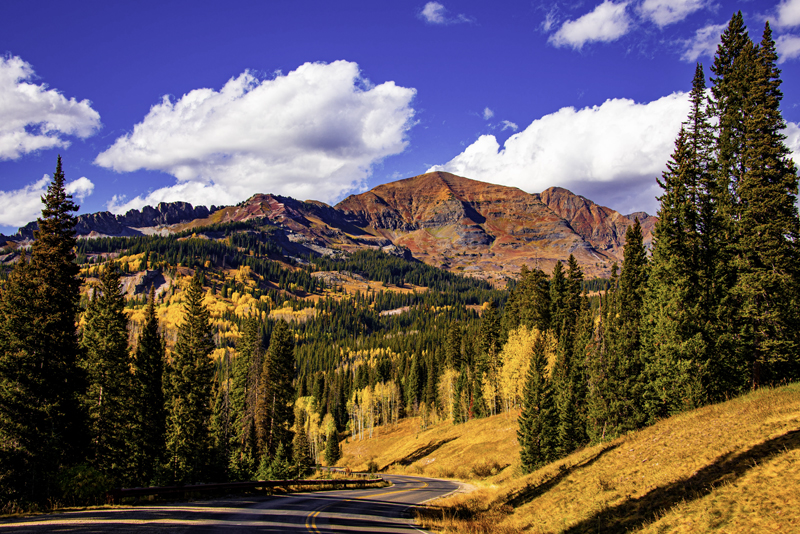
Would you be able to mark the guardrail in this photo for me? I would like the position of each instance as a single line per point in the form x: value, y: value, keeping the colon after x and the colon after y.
x: 116, y: 494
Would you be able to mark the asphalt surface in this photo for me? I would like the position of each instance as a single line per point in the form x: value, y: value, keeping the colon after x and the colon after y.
x: 382, y: 510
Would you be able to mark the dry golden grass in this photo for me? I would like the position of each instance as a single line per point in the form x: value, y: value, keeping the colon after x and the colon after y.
x: 730, y: 467
x: 472, y: 451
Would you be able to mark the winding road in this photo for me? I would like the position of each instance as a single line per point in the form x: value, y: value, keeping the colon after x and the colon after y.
x: 382, y: 510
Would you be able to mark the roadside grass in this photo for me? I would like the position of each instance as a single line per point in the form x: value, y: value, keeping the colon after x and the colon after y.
x: 729, y: 467
x: 477, y: 450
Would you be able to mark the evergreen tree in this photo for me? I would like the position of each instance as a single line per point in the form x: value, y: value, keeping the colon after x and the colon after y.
x: 22, y: 474
x: 244, y: 395
x: 222, y: 430
x: 767, y: 228
x: 568, y: 375
x: 151, y: 418
x: 453, y: 347
x: 673, y: 345
x: 301, y: 449
x: 107, y: 366
x: 558, y: 298
x: 538, y: 421
x: 189, y: 399
x: 332, y: 450
x: 623, y: 338
x: 274, y: 413
x: 43, y: 426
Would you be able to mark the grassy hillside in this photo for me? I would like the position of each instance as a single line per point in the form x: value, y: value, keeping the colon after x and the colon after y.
x: 730, y: 467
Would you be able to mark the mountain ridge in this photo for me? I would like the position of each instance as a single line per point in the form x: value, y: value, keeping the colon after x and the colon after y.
x: 455, y: 223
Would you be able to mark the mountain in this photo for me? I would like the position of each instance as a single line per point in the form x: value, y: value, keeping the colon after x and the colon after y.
x: 134, y: 222
x: 448, y: 221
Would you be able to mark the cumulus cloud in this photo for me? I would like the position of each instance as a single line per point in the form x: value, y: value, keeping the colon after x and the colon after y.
x: 608, y: 22
x: 509, y: 124
x: 788, y: 14
x: 33, y: 117
x: 313, y: 133
x: 21, y: 206
x: 705, y: 42
x: 487, y: 113
x: 611, y: 153
x: 788, y: 47
x: 436, y: 13
x: 666, y: 12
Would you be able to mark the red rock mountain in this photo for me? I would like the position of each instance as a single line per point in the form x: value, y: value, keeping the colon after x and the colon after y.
x: 466, y: 225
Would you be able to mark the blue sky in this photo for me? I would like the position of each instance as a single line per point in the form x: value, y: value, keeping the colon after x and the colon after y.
x: 211, y: 102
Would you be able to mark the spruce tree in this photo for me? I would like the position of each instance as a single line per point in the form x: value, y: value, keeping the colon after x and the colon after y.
x: 568, y: 372
x: 538, y: 421
x: 558, y: 299
x: 151, y: 418
x: 43, y: 425
x: 189, y: 400
x: 301, y: 449
x: 767, y: 229
x: 22, y: 477
x: 221, y: 421
x: 244, y: 394
x: 673, y: 346
x: 109, y: 396
x: 625, y: 356
x: 332, y: 450
x: 274, y: 413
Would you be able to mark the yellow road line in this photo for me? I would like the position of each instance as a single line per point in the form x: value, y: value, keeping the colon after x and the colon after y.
x: 311, y: 523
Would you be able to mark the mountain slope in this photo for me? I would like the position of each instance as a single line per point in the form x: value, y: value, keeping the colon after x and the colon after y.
x: 471, y: 226
x: 600, y: 226
x: 729, y: 467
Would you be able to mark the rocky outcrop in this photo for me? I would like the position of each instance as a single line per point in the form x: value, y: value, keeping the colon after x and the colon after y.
x: 105, y: 223
x: 603, y: 228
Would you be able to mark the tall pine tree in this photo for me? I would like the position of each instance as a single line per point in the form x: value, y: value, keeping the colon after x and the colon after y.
x: 274, y: 413
x: 109, y: 394
x: 151, y: 418
x: 767, y: 228
x: 43, y: 425
x: 189, y: 399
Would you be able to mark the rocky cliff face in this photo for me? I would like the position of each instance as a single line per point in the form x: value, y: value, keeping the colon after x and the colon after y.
x: 107, y: 224
x: 466, y: 225
x: 603, y: 228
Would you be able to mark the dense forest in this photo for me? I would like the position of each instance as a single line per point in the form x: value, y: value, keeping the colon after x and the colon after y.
x: 213, y: 354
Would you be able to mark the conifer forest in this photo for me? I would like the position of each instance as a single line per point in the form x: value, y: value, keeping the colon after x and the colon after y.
x: 245, y: 363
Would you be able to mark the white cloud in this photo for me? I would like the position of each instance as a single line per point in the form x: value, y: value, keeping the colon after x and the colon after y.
x: 487, y: 113
x: 436, y: 13
x: 33, y: 117
x: 788, y: 47
x: 509, y: 124
x: 788, y: 14
x: 705, y: 42
x: 312, y: 134
x: 666, y: 12
x: 792, y: 133
x: 608, y: 22
x: 549, y: 21
x: 21, y: 206
x: 610, y: 153
x: 80, y: 188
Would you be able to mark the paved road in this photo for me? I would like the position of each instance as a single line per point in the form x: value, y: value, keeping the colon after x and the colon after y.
x: 382, y: 510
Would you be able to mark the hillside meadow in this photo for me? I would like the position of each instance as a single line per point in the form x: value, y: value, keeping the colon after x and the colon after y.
x: 728, y: 467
